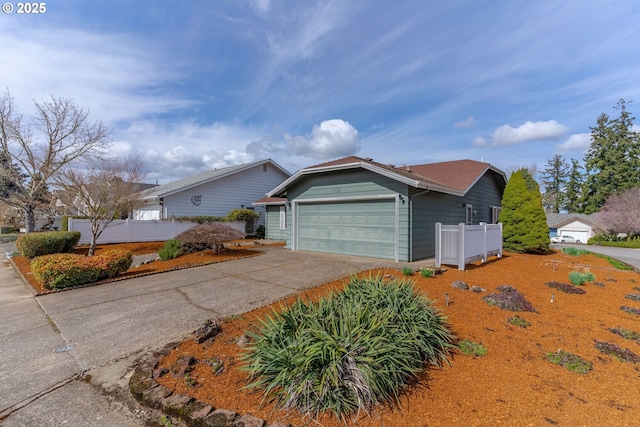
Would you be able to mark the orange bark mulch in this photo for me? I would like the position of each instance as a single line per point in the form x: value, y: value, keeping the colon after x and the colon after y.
x: 512, y: 385
x: 239, y: 250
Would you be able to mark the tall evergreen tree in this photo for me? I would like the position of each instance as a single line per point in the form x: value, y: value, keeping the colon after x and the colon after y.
x: 574, y: 188
x: 554, y: 180
x: 612, y: 163
x: 524, y: 223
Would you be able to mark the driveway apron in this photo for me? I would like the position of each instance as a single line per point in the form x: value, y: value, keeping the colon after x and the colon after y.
x: 96, y: 333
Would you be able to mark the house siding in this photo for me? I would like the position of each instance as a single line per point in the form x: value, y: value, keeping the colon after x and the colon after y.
x: 272, y: 223
x: 431, y: 207
x: 219, y: 197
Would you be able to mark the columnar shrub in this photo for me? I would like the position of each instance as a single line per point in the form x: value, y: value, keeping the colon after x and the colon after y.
x: 32, y: 245
x: 58, y: 271
x: 348, y: 351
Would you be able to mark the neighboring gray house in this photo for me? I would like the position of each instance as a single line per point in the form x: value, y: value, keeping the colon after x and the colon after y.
x: 582, y: 227
x: 212, y: 193
x: 356, y: 206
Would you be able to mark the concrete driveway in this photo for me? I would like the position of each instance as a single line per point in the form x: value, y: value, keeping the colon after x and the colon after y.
x: 66, y: 357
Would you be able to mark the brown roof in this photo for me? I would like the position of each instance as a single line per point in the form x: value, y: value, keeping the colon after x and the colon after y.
x: 457, y: 174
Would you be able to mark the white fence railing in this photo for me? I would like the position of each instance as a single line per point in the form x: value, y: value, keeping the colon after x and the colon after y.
x: 127, y: 230
x: 461, y: 244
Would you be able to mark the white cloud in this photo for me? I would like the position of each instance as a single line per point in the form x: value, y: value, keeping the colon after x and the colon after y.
x: 529, y: 131
x: 329, y: 139
x: 480, y: 141
x: 466, y: 123
x: 576, y: 142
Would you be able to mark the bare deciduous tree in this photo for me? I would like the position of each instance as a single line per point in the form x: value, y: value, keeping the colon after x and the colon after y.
x: 621, y: 212
x: 58, y: 134
x: 108, y: 189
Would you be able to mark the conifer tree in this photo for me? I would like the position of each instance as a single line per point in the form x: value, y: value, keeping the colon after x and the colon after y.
x: 574, y: 188
x: 524, y: 223
x: 554, y: 179
x: 612, y: 163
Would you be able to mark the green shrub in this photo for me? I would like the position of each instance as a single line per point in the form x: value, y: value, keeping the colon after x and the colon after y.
x: 522, y: 216
x: 579, y: 278
x: 242, y: 215
x: 426, y: 272
x: 570, y: 361
x: 407, y: 271
x: 32, y: 245
x: 575, y: 251
x: 171, y: 249
x: 57, y: 271
x: 350, y: 350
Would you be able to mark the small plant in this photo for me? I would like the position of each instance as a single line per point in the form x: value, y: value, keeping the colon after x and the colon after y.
x: 470, y: 348
x: 570, y: 361
x: 634, y: 297
x: 631, y: 310
x: 188, y: 381
x: 171, y: 250
x: 509, y: 299
x: 611, y: 349
x: 565, y: 288
x: 166, y: 421
x: 519, y: 321
x: 579, y: 277
x: 217, y: 365
x: 426, y: 272
x: 407, y: 271
x: 626, y: 334
x: 575, y: 251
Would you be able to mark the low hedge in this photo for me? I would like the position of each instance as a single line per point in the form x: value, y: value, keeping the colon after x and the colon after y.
x: 32, y: 245
x: 57, y: 271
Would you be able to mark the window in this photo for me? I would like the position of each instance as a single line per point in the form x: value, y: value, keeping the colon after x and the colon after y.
x: 495, y: 214
x: 468, y: 214
x: 283, y: 218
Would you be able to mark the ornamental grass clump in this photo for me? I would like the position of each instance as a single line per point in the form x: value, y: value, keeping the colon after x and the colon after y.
x: 348, y: 351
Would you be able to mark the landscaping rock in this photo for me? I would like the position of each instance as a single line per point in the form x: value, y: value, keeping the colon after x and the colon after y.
x: 209, y: 330
x: 220, y: 418
x: 458, y: 284
x: 198, y: 414
x: 183, y: 365
x: 243, y: 341
x: 249, y: 421
x: 478, y: 289
x: 175, y: 404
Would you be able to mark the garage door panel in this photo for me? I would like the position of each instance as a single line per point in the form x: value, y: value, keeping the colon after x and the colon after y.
x: 365, y: 228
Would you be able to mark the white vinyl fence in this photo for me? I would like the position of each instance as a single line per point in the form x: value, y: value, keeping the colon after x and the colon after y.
x: 461, y: 244
x: 127, y: 230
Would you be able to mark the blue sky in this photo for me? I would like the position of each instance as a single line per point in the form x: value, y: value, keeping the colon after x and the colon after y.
x: 192, y: 85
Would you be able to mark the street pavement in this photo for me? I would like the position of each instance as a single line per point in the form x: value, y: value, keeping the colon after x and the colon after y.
x: 66, y: 357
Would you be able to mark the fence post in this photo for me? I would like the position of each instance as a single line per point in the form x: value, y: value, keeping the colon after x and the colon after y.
x: 70, y: 224
x: 461, y: 262
x: 484, y: 242
x: 438, y: 244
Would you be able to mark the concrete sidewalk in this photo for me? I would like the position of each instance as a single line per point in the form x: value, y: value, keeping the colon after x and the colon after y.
x: 66, y: 357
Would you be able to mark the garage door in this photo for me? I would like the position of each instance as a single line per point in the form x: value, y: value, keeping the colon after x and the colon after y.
x: 363, y: 228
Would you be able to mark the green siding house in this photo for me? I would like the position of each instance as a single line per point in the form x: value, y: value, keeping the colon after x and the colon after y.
x: 355, y: 206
